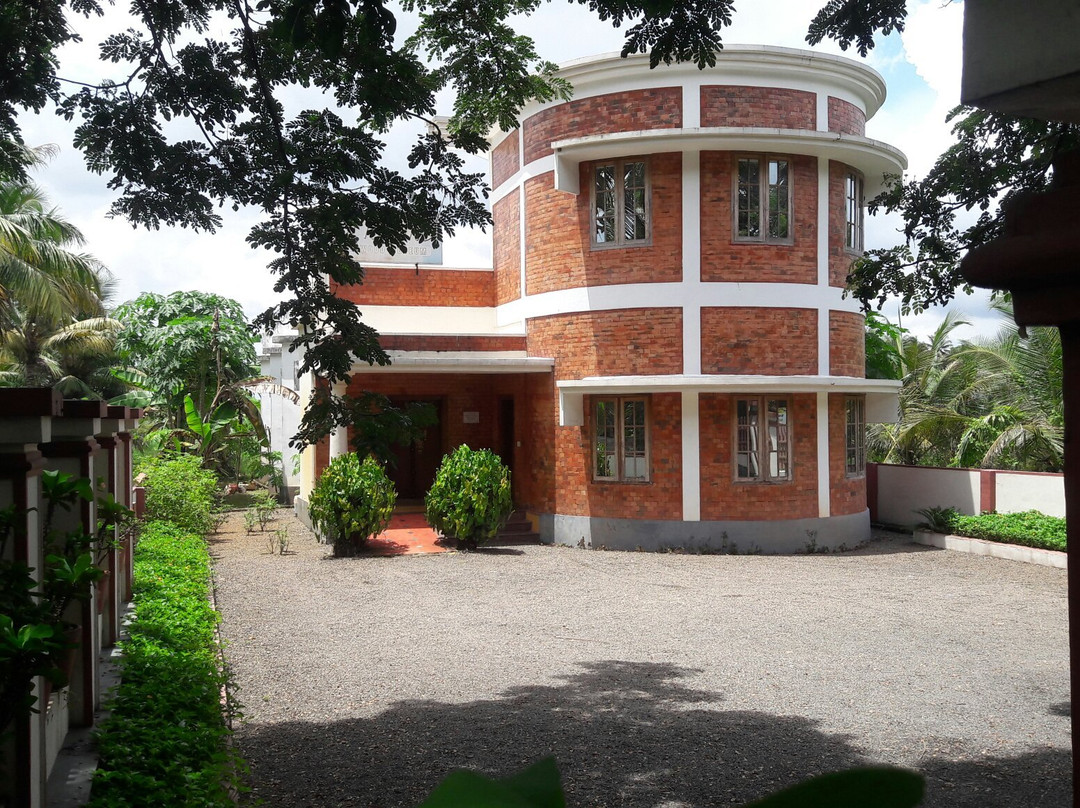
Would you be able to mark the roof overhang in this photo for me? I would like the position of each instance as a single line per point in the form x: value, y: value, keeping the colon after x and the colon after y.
x: 459, y: 362
x: 881, y: 394
x: 872, y: 157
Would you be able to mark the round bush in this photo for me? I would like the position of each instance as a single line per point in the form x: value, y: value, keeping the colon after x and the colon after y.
x: 470, y: 498
x: 352, y: 502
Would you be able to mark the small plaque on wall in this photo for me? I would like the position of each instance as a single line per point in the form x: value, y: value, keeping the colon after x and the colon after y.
x: 471, y: 417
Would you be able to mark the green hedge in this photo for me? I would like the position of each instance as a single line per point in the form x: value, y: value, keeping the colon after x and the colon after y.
x: 1029, y: 528
x: 181, y: 491
x: 164, y: 743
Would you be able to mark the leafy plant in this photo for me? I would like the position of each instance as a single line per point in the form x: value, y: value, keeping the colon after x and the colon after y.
x: 33, y: 611
x: 164, y: 742
x: 470, y: 499
x: 281, y: 536
x: 251, y: 519
x: 351, y: 502
x: 181, y: 491
x: 265, y: 507
x: 939, y: 520
x: 540, y: 786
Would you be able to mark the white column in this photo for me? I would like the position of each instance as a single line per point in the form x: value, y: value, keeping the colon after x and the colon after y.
x: 521, y: 235
x: 691, y: 458
x: 823, y: 112
x: 824, y: 488
x: 339, y: 438
x: 691, y: 261
x: 823, y: 264
x: 307, y: 460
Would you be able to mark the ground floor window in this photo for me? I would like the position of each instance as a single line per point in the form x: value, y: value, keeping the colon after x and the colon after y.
x: 620, y: 439
x: 855, y: 436
x: 762, y: 439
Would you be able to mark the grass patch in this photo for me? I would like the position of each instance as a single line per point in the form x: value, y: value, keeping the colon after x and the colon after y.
x: 1029, y: 528
x: 165, y: 741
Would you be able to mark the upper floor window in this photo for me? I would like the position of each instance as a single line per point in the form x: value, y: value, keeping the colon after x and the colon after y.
x: 763, y: 199
x: 853, y: 216
x: 620, y: 439
x: 855, y: 437
x: 762, y: 439
x: 620, y: 204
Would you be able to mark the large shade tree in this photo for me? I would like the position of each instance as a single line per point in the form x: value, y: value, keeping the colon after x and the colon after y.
x: 190, y: 120
x: 317, y: 172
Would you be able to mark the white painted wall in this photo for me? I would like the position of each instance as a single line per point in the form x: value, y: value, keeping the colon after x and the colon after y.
x: 902, y: 490
x: 1025, y: 492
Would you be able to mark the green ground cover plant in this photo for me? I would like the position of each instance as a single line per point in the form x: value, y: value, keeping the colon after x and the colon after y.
x: 470, y: 499
x: 164, y: 743
x: 1029, y: 528
x: 181, y: 491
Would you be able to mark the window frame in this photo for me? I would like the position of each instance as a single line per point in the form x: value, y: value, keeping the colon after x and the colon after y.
x: 854, y: 203
x: 763, y: 477
x: 620, y: 241
x: 763, y: 200
x: 854, y: 436
x: 618, y: 403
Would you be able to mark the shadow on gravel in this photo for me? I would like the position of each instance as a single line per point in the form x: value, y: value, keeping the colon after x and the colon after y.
x: 624, y: 734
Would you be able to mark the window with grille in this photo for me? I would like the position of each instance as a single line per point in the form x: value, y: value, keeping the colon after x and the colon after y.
x: 855, y: 437
x: 853, y: 215
x: 763, y: 199
x: 762, y: 439
x: 621, y: 439
x: 620, y: 204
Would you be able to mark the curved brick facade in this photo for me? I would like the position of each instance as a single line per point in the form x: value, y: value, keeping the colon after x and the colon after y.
x: 686, y: 378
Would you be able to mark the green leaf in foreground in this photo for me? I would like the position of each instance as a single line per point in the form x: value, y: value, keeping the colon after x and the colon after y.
x: 538, y: 786
x: 855, y: 788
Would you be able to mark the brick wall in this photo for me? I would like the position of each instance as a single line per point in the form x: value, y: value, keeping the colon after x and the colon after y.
x: 728, y: 105
x: 628, y: 342
x: 723, y: 260
x: 506, y: 248
x: 845, y: 117
x: 559, y: 252
x: 450, y: 342
x: 658, y: 108
x: 839, y: 257
x: 660, y: 498
x: 505, y: 160
x: 758, y: 340
x: 408, y: 286
x: 847, y: 495
x: 847, y: 344
x: 724, y: 499
x: 538, y: 417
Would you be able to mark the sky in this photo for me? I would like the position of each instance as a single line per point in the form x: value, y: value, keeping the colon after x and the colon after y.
x: 921, y: 68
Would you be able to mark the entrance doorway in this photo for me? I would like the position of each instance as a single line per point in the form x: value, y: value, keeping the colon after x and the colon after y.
x: 415, y: 465
x: 507, y: 444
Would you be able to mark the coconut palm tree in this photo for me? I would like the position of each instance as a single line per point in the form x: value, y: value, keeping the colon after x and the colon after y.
x: 939, y: 384
x: 54, y: 331
x: 38, y: 265
x: 1020, y: 423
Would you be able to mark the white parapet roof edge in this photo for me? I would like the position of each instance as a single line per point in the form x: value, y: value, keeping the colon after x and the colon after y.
x: 459, y: 362
x: 881, y: 394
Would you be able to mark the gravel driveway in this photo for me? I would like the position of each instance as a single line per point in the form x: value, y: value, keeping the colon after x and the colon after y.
x: 655, y: 680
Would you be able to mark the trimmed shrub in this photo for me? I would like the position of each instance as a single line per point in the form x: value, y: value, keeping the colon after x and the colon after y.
x: 181, y: 491
x: 470, y: 498
x: 352, y: 502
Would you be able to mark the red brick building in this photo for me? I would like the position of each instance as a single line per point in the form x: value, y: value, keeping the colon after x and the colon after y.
x: 662, y: 352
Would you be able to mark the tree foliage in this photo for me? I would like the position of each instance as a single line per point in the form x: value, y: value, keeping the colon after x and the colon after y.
x: 991, y: 403
x: 191, y: 120
x: 957, y: 205
x: 54, y: 331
